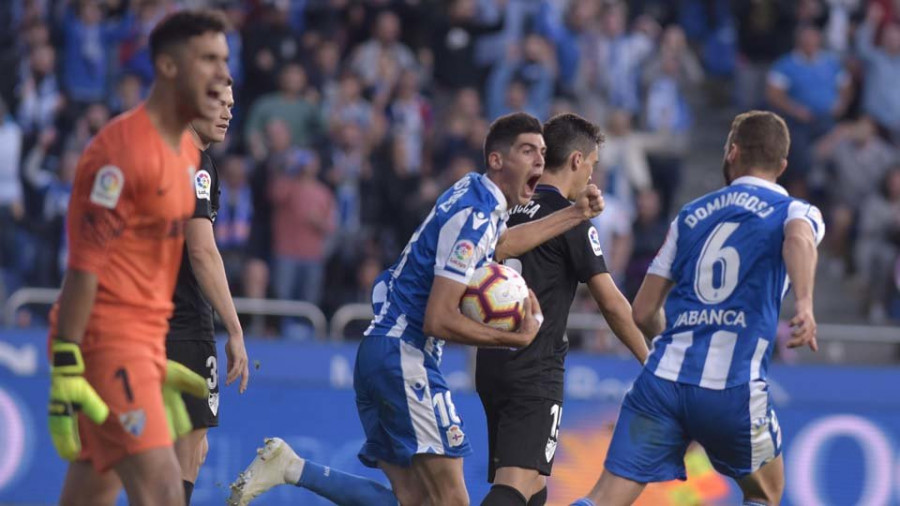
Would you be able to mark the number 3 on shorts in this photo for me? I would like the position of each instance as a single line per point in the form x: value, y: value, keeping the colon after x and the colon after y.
x: 213, y: 378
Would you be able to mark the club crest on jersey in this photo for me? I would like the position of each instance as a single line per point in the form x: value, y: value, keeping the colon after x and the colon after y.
x: 133, y: 422
x: 550, y: 450
x: 202, y: 184
x: 108, y: 184
x: 455, y: 436
x: 594, y: 239
x: 461, y: 255
x: 214, y: 403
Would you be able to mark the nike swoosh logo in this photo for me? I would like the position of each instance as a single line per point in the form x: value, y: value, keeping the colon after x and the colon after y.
x: 478, y: 222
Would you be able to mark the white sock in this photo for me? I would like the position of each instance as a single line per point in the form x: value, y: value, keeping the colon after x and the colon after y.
x: 294, y: 471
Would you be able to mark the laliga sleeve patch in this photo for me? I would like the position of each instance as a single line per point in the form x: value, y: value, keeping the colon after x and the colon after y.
x: 461, y: 255
x: 202, y: 184
x: 108, y: 184
x: 594, y: 239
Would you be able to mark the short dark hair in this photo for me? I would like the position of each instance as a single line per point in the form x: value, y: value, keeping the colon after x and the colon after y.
x: 763, y: 139
x: 178, y: 27
x: 504, y: 130
x: 566, y: 133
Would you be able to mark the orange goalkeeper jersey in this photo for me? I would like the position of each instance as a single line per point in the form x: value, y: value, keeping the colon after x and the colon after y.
x: 131, y: 198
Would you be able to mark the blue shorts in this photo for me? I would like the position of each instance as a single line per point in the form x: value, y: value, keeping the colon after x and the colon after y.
x: 404, y: 404
x: 659, y: 418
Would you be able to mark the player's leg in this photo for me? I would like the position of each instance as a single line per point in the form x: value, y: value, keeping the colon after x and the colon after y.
x: 765, y: 486
x: 648, y: 444
x: 739, y: 430
x: 277, y: 464
x: 405, y: 483
x: 84, y: 486
x: 191, y: 450
x: 527, y: 431
x: 442, y: 479
x: 152, y: 478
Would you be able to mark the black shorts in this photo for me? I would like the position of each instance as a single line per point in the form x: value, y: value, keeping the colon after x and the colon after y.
x: 522, y: 432
x: 200, y: 357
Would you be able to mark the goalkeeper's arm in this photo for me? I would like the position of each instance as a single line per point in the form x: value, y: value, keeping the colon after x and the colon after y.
x: 76, y: 299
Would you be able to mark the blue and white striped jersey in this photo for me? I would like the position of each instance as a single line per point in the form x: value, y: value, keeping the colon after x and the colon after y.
x: 458, y: 236
x: 724, y: 254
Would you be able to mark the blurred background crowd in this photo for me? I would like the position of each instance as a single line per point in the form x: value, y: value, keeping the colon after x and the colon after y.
x: 352, y: 116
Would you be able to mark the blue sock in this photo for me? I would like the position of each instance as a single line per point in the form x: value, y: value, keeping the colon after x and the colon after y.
x: 344, y: 489
x: 584, y: 501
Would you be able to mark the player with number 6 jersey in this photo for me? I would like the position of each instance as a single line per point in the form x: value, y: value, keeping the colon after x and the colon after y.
x: 727, y: 263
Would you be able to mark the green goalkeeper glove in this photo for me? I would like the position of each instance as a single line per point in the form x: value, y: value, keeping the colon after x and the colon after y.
x: 69, y: 393
x: 181, y: 379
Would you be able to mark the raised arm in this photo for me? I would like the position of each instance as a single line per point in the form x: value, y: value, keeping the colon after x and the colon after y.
x: 527, y: 236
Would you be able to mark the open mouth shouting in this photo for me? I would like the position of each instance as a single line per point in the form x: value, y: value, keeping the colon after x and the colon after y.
x: 531, y: 184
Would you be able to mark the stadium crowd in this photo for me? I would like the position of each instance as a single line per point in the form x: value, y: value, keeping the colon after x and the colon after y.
x: 352, y: 116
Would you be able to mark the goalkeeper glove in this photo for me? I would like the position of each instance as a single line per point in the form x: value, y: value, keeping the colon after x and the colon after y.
x: 70, y: 392
x: 181, y: 379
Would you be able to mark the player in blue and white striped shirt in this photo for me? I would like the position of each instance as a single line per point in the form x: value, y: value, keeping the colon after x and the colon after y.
x: 729, y: 259
x: 413, y: 432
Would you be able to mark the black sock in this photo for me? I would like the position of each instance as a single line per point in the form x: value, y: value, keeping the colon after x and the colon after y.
x: 504, y: 495
x: 539, y: 498
x: 188, y: 490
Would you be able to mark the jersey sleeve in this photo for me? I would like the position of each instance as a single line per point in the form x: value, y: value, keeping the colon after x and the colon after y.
x: 799, y: 210
x: 585, y: 254
x: 204, y: 186
x: 459, y: 247
x: 103, y: 199
x: 662, y: 264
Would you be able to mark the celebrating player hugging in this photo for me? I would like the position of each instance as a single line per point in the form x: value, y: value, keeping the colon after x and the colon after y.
x: 728, y: 260
x: 413, y: 432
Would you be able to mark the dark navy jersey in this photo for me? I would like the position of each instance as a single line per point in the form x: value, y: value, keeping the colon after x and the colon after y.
x: 192, y: 318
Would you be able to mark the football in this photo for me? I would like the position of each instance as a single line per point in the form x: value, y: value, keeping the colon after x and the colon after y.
x: 496, y: 297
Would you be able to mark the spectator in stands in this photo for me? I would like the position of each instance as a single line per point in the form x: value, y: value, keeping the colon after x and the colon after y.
x: 136, y: 50
x: 524, y: 81
x: 348, y: 166
x: 324, y: 72
x: 289, y: 104
x: 40, y: 96
x: 764, y: 29
x: 570, y: 36
x: 881, y: 99
x: 303, y: 219
x: 453, y: 40
x: 383, y: 50
x: 234, y: 220
x: 614, y: 63
x: 858, y: 159
x: 625, y: 163
x: 409, y: 118
x: 349, y: 106
x: 810, y: 88
x: 12, y: 208
x: 268, y: 44
x: 88, y: 38
x: 878, y: 245
x: 613, y: 226
x: 648, y: 231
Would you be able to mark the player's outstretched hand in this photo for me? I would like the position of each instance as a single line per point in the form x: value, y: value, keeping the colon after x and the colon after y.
x: 590, y: 201
x: 533, y: 319
x: 237, y: 362
x: 803, y: 327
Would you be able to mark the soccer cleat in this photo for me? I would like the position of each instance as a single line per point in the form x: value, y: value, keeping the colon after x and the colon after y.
x: 268, y: 469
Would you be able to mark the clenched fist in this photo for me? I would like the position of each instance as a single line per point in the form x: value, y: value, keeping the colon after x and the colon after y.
x: 590, y: 201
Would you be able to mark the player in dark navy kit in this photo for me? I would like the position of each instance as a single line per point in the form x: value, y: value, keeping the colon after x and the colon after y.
x: 201, y: 288
x: 522, y: 390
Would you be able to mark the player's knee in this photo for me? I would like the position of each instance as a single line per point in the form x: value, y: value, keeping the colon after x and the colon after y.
x: 504, y: 495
